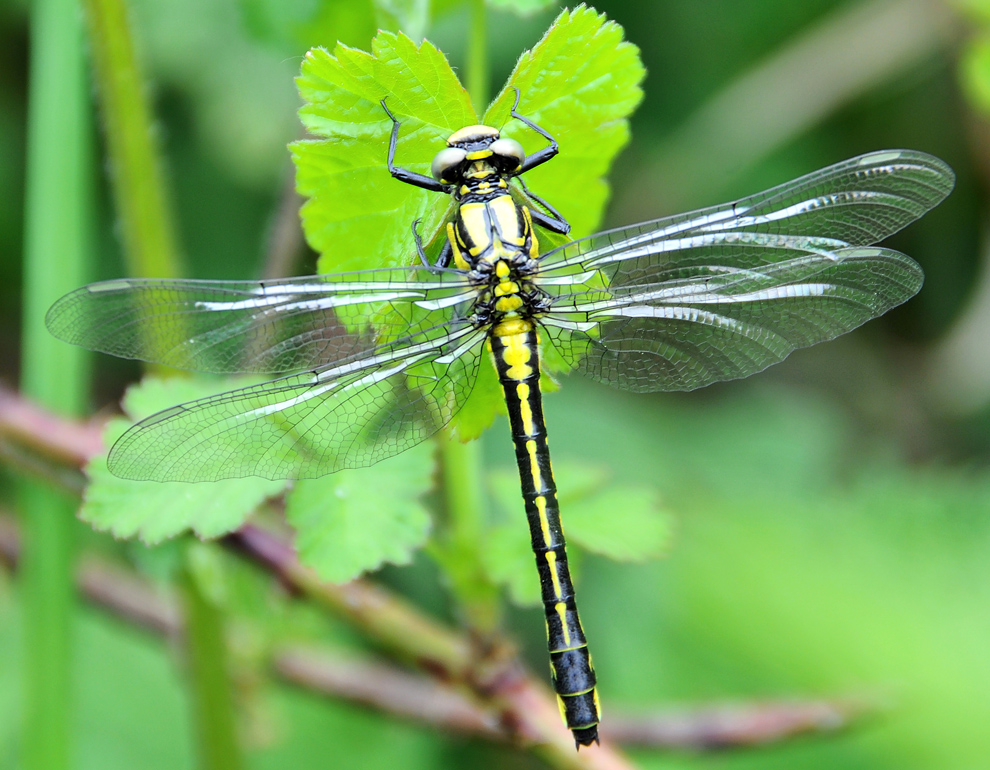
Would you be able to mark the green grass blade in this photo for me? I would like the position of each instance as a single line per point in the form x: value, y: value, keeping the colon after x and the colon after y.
x: 57, y: 215
x: 140, y: 193
x: 206, y: 653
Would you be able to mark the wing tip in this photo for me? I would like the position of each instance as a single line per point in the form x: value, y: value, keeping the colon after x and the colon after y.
x: 932, y: 163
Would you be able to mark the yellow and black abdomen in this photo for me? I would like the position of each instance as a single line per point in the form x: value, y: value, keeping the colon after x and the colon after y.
x: 514, y: 344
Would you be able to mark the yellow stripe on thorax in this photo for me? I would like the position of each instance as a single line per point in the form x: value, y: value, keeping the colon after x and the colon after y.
x: 477, y: 226
x: 506, y: 218
x: 455, y: 245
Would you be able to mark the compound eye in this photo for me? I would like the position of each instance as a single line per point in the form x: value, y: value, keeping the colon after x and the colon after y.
x: 510, y: 151
x: 446, y: 161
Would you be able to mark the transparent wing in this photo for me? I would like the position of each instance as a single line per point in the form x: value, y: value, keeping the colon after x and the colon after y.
x: 719, y: 294
x: 721, y: 325
x: 255, y: 326
x: 310, y: 424
x: 857, y: 202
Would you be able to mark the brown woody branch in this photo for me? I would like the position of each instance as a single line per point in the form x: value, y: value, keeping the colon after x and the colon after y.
x: 503, y: 703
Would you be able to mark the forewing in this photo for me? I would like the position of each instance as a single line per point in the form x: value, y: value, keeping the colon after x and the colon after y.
x: 718, y: 294
x: 715, y: 323
x: 256, y: 326
x: 310, y: 424
x: 857, y: 202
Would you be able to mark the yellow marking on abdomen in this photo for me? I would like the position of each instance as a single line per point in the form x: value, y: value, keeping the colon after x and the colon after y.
x: 534, y: 466
x: 552, y: 563
x: 517, y: 355
x: 562, y: 614
x: 525, y: 410
x: 541, y: 509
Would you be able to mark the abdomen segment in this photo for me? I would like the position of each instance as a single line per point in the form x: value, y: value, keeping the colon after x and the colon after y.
x: 517, y: 361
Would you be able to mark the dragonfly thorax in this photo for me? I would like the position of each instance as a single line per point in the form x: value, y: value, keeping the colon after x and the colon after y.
x: 506, y: 290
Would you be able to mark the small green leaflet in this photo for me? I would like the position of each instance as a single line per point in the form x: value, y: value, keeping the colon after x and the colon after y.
x: 354, y: 521
x: 155, y: 511
x: 621, y: 521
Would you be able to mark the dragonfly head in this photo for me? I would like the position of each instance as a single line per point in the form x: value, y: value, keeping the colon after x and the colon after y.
x: 472, y: 144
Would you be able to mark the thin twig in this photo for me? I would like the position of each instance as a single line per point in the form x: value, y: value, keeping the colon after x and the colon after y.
x: 729, y: 726
x: 376, y: 612
x: 285, y: 236
x: 64, y: 441
x: 117, y: 590
x: 387, y: 689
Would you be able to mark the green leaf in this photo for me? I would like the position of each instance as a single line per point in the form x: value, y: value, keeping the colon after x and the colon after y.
x: 522, y: 7
x: 623, y: 522
x: 156, y: 511
x: 580, y: 83
x: 508, y: 560
x: 353, y: 521
x: 357, y: 216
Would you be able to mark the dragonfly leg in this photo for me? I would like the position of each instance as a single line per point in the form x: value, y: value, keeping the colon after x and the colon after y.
x: 554, y: 221
x: 543, y: 155
x: 443, y: 259
x: 402, y: 174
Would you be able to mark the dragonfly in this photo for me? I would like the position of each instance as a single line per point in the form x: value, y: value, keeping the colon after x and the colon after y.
x: 372, y: 362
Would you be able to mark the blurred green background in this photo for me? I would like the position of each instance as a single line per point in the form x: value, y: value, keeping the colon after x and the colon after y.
x: 832, y: 514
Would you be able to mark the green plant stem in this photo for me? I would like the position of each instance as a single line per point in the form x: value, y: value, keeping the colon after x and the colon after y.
x: 211, y: 691
x: 460, y: 548
x: 57, y: 215
x: 140, y: 193
x: 477, y: 64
